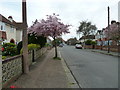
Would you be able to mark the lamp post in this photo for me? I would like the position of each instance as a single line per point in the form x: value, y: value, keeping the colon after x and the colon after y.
x: 25, y: 38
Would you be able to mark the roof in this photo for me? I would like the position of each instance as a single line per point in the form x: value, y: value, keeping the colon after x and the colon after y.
x: 18, y: 25
x: 88, y: 37
x: 3, y: 19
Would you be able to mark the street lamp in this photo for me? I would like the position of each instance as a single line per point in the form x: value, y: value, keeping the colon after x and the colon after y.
x: 108, y: 28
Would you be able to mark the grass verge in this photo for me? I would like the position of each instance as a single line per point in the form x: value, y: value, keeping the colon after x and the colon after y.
x: 56, y: 58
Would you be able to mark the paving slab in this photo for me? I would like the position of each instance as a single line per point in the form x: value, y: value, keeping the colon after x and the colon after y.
x: 45, y: 73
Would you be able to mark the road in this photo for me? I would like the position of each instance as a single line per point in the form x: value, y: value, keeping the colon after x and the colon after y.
x: 91, y: 70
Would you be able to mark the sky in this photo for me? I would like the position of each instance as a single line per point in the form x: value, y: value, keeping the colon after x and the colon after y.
x: 70, y: 12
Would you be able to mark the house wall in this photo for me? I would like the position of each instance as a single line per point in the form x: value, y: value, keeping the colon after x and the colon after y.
x: 3, y: 26
x: 11, y: 32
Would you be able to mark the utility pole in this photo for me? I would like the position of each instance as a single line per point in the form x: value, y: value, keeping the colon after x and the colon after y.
x: 108, y: 28
x: 25, y: 38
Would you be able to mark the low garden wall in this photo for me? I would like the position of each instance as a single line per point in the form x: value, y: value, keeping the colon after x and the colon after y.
x: 12, y: 67
x: 112, y: 48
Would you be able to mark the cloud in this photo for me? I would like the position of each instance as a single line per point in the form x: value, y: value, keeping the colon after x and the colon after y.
x: 70, y: 11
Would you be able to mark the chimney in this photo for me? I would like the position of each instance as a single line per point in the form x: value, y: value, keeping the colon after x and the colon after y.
x: 10, y: 18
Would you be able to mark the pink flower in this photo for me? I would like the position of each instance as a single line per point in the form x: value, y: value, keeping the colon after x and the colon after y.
x: 52, y: 26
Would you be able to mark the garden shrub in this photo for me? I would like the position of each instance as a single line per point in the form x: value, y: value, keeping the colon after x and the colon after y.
x: 88, y: 42
x: 33, y: 39
x: 10, y: 49
x: 48, y: 44
x: 3, y: 57
x: 31, y: 47
x: 19, y: 47
x: 93, y: 42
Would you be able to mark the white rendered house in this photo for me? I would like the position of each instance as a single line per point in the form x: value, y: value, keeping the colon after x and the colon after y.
x: 13, y: 29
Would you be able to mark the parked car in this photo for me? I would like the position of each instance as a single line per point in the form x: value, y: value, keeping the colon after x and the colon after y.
x: 61, y: 45
x: 78, y: 46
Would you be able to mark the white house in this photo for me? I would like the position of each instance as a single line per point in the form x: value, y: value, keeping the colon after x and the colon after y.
x: 13, y: 29
x: 101, y: 38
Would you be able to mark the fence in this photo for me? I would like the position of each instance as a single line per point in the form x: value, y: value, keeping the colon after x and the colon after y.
x: 12, y: 67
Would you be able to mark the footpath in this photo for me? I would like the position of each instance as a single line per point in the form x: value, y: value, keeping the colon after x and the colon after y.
x: 47, y: 73
x: 117, y: 54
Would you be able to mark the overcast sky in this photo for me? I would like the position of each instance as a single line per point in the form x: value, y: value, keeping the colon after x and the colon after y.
x: 70, y: 11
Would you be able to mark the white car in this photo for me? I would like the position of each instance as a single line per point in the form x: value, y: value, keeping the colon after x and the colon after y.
x: 78, y: 46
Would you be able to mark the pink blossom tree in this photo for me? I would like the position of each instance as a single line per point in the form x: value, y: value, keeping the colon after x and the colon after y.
x: 114, y: 31
x: 52, y: 26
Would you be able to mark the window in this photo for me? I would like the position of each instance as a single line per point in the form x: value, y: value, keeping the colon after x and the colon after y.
x: 1, y: 27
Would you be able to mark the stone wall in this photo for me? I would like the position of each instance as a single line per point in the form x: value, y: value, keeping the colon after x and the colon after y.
x: 12, y: 67
x: 30, y: 58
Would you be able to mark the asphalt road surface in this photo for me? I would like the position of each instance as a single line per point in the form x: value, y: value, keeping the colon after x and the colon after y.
x: 91, y: 70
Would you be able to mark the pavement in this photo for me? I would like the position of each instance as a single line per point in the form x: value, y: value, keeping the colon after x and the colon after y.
x: 117, y: 54
x: 47, y: 73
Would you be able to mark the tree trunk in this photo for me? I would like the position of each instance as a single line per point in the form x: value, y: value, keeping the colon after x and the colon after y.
x: 55, y: 48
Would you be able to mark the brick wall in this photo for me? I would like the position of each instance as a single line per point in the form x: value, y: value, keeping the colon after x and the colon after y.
x: 113, y: 48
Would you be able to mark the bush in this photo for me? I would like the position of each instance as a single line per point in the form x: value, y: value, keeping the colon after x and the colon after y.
x: 88, y: 42
x: 3, y: 57
x: 31, y: 47
x: 33, y: 39
x: 48, y: 44
x: 93, y: 42
x: 9, y: 49
x: 19, y: 47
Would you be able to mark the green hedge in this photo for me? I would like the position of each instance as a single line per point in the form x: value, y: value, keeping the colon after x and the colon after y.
x: 10, y: 49
x: 31, y: 47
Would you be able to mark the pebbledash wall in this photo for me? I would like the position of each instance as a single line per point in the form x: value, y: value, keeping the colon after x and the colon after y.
x: 12, y: 67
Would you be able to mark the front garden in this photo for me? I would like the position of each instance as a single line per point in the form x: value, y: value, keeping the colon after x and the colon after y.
x: 34, y: 42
